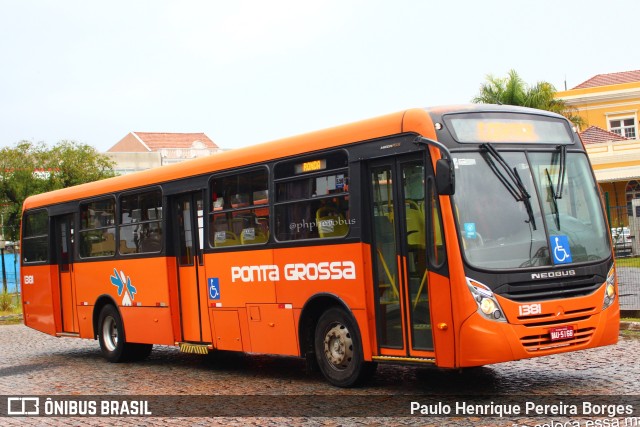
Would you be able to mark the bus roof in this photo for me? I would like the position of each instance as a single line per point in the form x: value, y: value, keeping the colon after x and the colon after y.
x: 437, y: 112
x: 413, y: 120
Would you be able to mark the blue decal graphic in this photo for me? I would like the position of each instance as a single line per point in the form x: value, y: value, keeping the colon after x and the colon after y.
x: 470, y: 230
x: 214, y: 288
x: 119, y: 281
x: 561, y: 250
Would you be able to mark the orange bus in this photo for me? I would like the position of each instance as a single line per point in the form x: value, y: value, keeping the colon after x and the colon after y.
x: 453, y: 236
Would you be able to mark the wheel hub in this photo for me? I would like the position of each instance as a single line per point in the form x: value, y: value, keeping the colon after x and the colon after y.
x: 110, y: 333
x: 338, y: 346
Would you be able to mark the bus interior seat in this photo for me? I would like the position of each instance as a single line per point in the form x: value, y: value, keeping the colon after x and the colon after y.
x: 106, y: 246
x: 330, y: 222
x: 225, y: 238
x: 415, y: 225
x: 253, y: 236
x: 125, y: 249
x: 225, y: 232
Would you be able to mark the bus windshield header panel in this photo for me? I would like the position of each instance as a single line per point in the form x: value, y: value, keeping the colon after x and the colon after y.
x: 498, y: 127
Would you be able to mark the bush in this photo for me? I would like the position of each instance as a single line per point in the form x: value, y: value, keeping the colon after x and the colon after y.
x: 6, y: 301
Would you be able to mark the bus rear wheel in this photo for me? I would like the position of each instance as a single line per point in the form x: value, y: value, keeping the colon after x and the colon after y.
x: 112, y: 339
x: 338, y: 349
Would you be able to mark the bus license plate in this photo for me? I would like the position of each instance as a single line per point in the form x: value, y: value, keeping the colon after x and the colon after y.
x: 561, y: 333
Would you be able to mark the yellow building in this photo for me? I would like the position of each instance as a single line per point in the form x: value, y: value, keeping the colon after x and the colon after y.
x: 609, y: 104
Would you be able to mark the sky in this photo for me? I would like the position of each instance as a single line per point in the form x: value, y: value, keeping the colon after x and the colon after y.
x: 249, y: 71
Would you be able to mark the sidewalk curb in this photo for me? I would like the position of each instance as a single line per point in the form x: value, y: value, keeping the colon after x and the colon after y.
x: 630, y: 326
x: 11, y: 318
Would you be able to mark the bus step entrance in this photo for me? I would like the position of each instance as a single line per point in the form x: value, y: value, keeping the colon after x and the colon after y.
x: 187, y: 347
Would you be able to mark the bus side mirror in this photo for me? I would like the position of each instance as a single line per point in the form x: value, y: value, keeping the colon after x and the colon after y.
x: 445, y: 177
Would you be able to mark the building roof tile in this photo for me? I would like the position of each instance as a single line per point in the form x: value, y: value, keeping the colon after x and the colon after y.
x: 610, y: 79
x: 594, y: 134
x: 159, y: 140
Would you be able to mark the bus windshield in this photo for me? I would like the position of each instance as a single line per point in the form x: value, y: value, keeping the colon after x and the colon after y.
x: 561, y: 222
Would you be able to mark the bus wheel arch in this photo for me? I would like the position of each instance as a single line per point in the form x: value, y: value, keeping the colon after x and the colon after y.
x: 110, y: 331
x: 102, y: 301
x: 311, y: 312
x: 330, y: 340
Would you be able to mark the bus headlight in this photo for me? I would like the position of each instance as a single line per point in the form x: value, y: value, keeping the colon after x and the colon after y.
x: 609, y: 289
x: 488, y: 305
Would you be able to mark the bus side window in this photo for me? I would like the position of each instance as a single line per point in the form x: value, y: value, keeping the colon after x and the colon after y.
x: 312, y: 197
x: 35, y: 236
x: 97, y: 229
x: 140, y: 223
x: 240, y: 210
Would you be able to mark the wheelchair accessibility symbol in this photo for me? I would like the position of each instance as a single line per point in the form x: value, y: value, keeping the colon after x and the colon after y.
x: 470, y: 230
x: 561, y: 250
x: 214, y: 288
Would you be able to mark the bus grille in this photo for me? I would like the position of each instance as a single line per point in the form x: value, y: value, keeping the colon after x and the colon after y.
x: 541, y: 290
x: 534, y: 343
x: 540, y: 321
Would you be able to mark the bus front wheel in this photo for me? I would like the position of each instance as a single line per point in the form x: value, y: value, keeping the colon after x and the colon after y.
x: 338, y: 349
x: 112, y: 339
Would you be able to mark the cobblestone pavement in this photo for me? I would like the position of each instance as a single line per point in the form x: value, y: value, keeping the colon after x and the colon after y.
x: 32, y: 363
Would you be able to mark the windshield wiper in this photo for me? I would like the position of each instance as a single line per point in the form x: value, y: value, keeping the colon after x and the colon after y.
x: 562, y: 151
x: 556, y: 192
x: 510, y: 178
x: 554, y: 197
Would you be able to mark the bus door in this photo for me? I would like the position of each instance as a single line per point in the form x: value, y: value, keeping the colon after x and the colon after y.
x: 188, y: 214
x: 399, y: 251
x: 64, y: 235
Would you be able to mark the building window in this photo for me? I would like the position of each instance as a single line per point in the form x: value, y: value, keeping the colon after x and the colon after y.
x: 624, y: 127
x: 633, y: 192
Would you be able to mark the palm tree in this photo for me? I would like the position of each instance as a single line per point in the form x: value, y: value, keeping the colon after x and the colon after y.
x: 512, y: 90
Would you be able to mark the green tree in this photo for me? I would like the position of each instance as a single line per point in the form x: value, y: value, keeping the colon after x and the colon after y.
x: 512, y: 90
x: 77, y: 163
x: 31, y: 168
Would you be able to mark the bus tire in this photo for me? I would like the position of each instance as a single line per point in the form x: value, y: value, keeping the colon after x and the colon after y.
x: 338, y: 349
x: 112, y: 338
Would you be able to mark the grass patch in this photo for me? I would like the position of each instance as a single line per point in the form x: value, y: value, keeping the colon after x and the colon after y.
x: 628, y: 262
x: 10, y: 309
x: 633, y: 332
x: 10, y: 304
x: 630, y: 334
